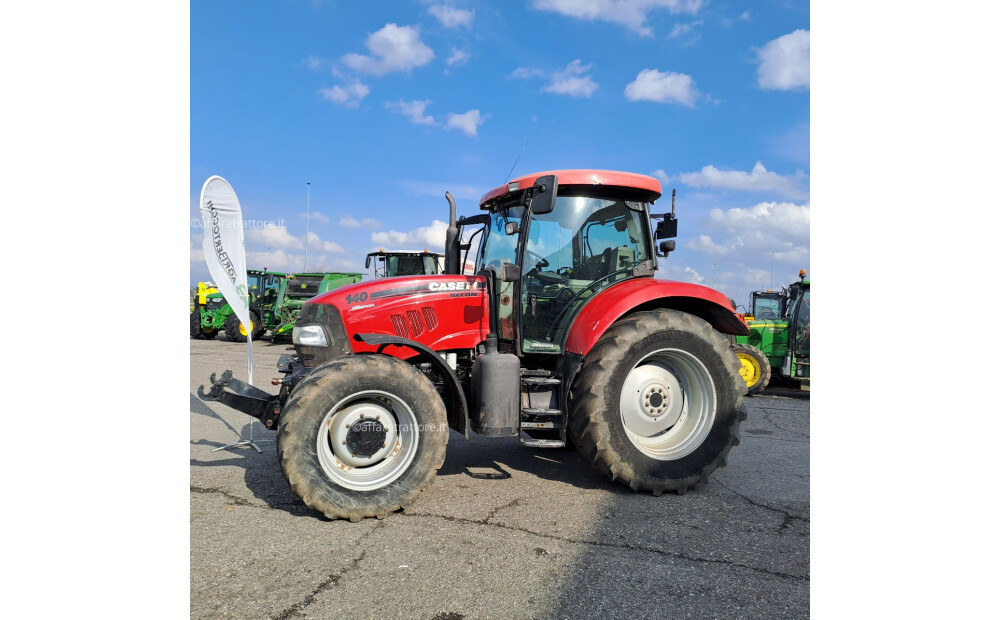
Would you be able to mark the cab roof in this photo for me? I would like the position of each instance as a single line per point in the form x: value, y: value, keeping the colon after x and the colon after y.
x: 607, y: 178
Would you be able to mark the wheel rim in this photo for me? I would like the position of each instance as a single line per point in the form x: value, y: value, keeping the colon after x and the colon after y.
x: 668, y: 404
x: 243, y: 330
x: 749, y: 368
x: 367, y: 440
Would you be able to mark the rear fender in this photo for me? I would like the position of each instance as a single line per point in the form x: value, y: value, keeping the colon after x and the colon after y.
x: 640, y: 294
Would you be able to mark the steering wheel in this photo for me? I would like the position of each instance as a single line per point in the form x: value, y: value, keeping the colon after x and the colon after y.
x: 537, y: 273
x: 541, y: 262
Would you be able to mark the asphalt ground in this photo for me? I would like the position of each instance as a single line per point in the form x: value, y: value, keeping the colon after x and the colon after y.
x: 505, y: 531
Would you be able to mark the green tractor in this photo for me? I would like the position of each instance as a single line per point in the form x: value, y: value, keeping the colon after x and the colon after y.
x: 405, y: 263
x: 778, y: 344
x: 280, y: 306
x: 212, y: 313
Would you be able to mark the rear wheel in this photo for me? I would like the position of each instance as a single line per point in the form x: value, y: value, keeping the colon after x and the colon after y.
x: 657, y: 402
x: 754, y: 367
x: 362, y: 436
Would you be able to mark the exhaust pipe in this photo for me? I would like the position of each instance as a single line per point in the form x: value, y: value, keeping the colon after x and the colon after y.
x: 451, y: 240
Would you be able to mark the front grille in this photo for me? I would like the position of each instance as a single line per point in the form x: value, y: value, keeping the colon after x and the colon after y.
x: 328, y: 317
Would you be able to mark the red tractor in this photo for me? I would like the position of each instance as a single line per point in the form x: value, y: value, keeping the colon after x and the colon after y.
x: 564, y: 336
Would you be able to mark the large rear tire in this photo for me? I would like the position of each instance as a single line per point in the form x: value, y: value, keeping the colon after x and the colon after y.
x: 362, y: 436
x: 657, y: 404
x: 754, y: 367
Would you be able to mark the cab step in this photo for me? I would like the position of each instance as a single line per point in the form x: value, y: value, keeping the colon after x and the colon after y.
x: 543, y: 419
x: 531, y: 442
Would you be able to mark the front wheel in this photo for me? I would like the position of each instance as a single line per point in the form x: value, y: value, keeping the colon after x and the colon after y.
x: 754, y: 367
x: 657, y: 402
x: 237, y: 331
x: 362, y: 436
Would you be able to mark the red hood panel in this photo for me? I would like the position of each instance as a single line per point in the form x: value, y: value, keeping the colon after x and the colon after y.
x: 440, y: 311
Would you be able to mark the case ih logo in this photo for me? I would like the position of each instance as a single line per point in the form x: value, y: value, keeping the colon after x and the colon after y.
x: 454, y: 286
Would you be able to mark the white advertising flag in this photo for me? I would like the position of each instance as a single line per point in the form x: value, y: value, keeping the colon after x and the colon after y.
x: 225, y: 251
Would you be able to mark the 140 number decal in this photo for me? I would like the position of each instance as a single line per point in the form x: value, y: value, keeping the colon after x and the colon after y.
x: 357, y: 298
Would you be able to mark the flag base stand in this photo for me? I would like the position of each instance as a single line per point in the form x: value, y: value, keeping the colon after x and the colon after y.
x: 240, y: 443
x: 243, y: 442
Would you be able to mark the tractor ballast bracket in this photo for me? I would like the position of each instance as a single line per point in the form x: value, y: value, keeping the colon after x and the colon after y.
x: 244, y: 397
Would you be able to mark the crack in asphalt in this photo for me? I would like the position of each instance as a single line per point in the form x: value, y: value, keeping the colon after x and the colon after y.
x: 776, y: 425
x: 769, y: 438
x: 788, y: 516
x: 493, y: 512
x: 598, y: 543
x: 332, y: 580
x: 236, y: 499
x: 293, y: 508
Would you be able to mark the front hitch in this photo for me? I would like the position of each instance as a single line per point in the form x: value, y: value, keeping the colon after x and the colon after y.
x: 252, y: 401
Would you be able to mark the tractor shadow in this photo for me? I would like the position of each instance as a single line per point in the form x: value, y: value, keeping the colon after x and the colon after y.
x: 483, y: 458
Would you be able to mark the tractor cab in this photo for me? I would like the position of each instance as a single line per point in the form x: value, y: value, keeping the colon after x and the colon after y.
x: 767, y: 305
x: 264, y: 285
x: 405, y: 263
x: 553, y: 255
x: 796, y: 363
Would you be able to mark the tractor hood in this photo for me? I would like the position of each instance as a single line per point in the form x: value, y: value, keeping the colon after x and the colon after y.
x: 441, y: 312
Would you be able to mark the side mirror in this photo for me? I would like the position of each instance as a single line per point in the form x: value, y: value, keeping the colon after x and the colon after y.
x: 368, y: 261
x: 510, y: 272
x: 512, y: 228
x: 543, y: 194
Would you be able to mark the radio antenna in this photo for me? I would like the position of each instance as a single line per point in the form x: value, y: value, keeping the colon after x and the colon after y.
x: 516, y: 160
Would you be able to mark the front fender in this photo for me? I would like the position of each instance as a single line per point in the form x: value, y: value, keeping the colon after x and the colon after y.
x: 639, y: 294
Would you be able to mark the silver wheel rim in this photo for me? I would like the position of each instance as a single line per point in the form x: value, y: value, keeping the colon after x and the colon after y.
x: 387, y: 463
x: 668, y: 404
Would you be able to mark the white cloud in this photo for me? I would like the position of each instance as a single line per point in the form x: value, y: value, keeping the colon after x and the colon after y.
x: 349, y: 96
x: 427, y: 237
x: 629, y: 13
x: 766, y: 220
x: 661, y: 175
x: 687, y: 32
x: 784, y: 62
x: 467, y: 122
x: 524, y: 73
x: 572, y: 81
x: 393, y: 48
x: 413, y: 110
x: 666, y: 87
x: 458, y: 58
x: 326, y: 246
x: 313, y: 62
x: 739, y: 233
x: 316, y: 216
x: 273, y: 237
x: 349, y: 222
x: 759, y: 179
x: 450, y: 17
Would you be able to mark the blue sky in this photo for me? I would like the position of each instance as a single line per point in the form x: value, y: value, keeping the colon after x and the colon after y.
x: 382, y: 106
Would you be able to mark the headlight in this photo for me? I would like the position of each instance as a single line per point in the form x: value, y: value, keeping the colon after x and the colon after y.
x: 309, y: 336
